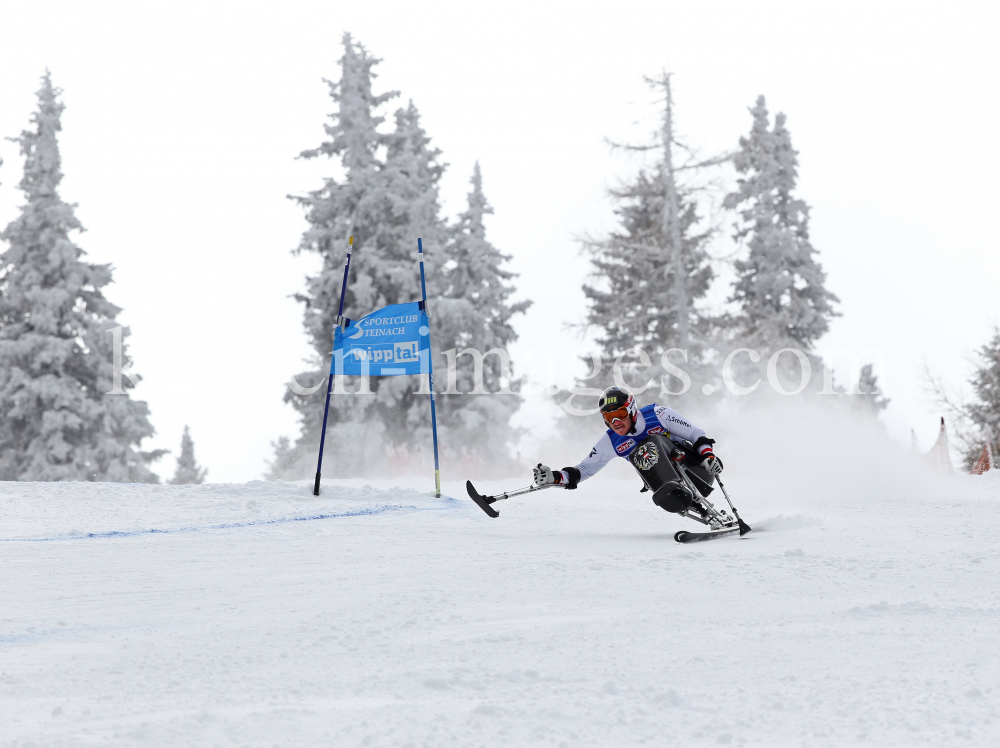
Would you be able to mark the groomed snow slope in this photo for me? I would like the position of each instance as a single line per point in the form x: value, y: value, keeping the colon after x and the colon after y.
x: 259, y: 615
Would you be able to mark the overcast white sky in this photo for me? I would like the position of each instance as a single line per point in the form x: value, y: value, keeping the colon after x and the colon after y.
x: 183, y: 120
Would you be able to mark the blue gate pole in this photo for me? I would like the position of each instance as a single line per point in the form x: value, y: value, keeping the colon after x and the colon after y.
x: 430, y: 373
x: 333, y: 363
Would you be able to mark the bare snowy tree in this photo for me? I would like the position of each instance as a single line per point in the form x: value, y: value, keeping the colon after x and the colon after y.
x: 650, y: 276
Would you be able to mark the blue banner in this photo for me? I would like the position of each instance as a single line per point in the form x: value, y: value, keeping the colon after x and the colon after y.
x: 385, y: 343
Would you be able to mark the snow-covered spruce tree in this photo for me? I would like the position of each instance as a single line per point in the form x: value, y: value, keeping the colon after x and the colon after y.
x: 780, y: 285
x: 872, y: 402
x: 351, y: 205
x: 980, y: 416
x: 474, y: 311
x: 985, y: 408
x: 56, y: 422
x: 651, y: 274
x: 188, y: 470
x: 387, y: 197
x: 412, y: 171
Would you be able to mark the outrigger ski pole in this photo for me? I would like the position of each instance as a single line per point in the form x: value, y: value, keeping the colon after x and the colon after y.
x: 744, y: 527
x: 483, y: 502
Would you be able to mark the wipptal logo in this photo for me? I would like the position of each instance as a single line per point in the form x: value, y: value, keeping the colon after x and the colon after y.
x: 625, y: 446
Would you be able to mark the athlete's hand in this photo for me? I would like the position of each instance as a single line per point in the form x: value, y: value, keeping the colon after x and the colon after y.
x: 544, y: 476
x: 712, y: 463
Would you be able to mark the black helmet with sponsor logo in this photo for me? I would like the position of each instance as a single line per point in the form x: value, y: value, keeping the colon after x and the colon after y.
x: 617, y: 403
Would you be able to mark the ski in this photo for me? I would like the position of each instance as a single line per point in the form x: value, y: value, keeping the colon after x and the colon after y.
x: 483, y: 502
x: 683, y: 536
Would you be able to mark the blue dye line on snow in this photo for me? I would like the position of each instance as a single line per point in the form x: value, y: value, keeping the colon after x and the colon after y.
x: 378, y: 509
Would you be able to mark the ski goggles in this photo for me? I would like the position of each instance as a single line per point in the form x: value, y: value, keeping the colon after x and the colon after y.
x: 610, y: 416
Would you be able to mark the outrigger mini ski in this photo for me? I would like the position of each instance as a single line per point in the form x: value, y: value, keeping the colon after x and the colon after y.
x: 483, y: 502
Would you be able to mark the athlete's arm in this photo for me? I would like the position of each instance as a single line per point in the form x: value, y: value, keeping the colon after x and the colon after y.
x: 680, y: 428
x: 590, y: 465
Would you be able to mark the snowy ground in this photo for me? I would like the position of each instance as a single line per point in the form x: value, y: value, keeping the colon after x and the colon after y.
x: 386, y: 617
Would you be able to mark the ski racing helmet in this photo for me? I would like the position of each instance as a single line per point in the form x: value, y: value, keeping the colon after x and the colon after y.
x: 616, y: 403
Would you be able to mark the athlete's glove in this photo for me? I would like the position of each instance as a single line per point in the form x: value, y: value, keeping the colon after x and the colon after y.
x: 572, y: 477
x: 711, y: 463
x: 545, y: 477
